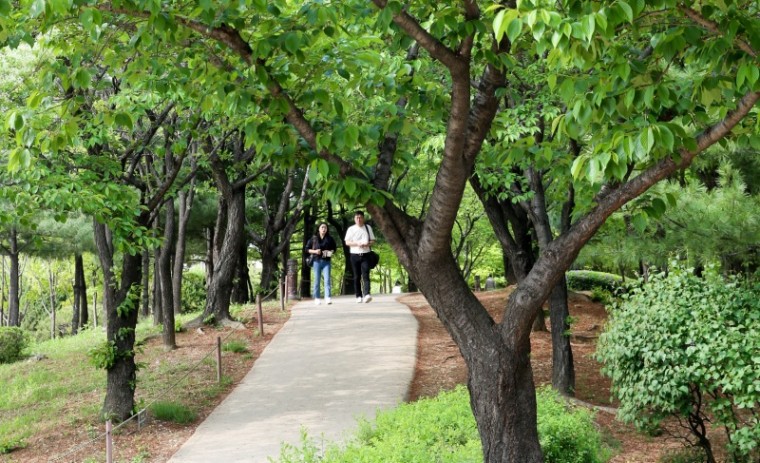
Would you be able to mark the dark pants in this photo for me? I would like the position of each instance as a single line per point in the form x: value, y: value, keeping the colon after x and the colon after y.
x: 360, y: 265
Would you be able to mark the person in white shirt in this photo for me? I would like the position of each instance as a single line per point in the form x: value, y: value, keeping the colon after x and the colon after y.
x: 359, y: 238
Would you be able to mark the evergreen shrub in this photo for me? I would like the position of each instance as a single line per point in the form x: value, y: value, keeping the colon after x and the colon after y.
x: 13, y: 341
x: 193, y: 292
x: 587, y: 280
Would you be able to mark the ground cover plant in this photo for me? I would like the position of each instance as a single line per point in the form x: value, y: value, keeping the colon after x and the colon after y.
x: 442, y: 429
x: 50, y: 404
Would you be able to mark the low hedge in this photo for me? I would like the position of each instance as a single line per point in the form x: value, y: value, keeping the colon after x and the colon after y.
x: 587, y: 280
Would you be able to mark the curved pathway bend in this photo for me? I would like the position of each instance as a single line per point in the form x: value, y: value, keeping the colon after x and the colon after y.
x: 327, y: 366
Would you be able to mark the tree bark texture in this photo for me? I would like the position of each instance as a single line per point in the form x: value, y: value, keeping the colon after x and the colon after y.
x: 185, y: 206
x: 145, y: 305
x: 242, y: 280
x: 165, y: 276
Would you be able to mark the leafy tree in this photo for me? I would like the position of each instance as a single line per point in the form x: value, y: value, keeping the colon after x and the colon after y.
x: 619, y: 69
x: 687, y: 347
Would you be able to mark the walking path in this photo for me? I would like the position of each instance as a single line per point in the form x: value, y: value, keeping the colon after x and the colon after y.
x: 328, y: 365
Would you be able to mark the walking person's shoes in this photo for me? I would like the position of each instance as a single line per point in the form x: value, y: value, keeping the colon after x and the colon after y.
x: 367, y: 298
x: 317, y: 301
x: 359, y: 299
x: 328, y: 301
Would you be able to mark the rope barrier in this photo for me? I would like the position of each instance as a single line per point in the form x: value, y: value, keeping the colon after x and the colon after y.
x: 142, y: 412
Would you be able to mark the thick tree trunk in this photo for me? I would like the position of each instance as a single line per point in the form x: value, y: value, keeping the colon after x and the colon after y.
x: 242, y: 280
x: 165, y: 276
x: 269, y: 268
x: 309, y: 225
x: 208, y: 233
x: 158, y: 309
x: 225, y: 259
x: 14, y: 315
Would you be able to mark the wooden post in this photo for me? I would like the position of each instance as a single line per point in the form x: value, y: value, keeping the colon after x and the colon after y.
x: 282, y: 296
x: 109, y: 443
x: 261, y: 315
x: 219, y: 359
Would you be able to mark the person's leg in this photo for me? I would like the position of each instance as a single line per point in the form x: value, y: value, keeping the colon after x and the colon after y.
x: 317, y: 271
x: 328, y: 284
x: 365, y: 276
x: 356, y: 265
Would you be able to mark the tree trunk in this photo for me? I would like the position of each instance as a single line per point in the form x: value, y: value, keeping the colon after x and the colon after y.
x: 563, y: 370
x: 185, y: 206
x: 309, y: 224
x: 53, y: 301
x: 145, y: 310
x: 158, y: 310
x: 225, y: 259
x: 165, y: 276
x: 208, y: 233
x: 14, y: 318
x: 121, y: 303
x: 84, y: 316
x: 242, y: 279
x: 76, y: 309
x: 2, y: 293
x: 269, y: 267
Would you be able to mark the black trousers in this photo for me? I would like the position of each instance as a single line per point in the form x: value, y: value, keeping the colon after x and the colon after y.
x: 360, y: 266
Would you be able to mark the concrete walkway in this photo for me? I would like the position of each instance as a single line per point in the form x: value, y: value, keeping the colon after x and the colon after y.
x: 328, y: 365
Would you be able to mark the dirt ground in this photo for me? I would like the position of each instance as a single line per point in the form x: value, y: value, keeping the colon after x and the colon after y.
x: 439, y: 367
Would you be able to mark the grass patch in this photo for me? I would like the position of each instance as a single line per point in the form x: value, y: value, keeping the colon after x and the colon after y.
x: 235, y: 346
x: 173, y: 412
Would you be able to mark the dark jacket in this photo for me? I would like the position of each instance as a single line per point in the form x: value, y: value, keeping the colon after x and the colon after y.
x: 325, y: 244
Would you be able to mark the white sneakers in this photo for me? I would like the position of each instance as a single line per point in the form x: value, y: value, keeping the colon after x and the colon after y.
x: 359, y: 299
x: 328, y: 301
x: 317, y: 301
x: 367, y: 298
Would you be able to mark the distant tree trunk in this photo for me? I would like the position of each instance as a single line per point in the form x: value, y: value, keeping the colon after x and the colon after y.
x: 309, y: 224
x: 209, y: 260
x: 145, y: 311
x: 84, y: 315
x: 340, y: 224
x: 2, y: 294
x: 158, y: 310
x: 14, y: 318
x: 53, y: 301
x: 269, y: 267
x: 79, y: 311
x: 165, y: 276
x: 185, y: 206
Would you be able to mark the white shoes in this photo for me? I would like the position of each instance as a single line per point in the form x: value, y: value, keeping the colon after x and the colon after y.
x: 317, y: 302
x: 359, y: 299
x: 328, y: 301
x: 367, y: 298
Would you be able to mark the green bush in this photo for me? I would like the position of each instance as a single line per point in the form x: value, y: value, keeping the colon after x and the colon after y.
x: 174, y: 412
x: 587, y: 280
x: 688, y: 347
x: 442, y: 429
x: 13, y: 341
x: 193, y: 292
x: 688, y: 455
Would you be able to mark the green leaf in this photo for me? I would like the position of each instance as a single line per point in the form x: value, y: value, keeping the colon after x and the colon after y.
x: 324, y: 168
x: 639, y: 222
x: 37, y: 8
x: 124, y: 120
x: 626, y: 10
x: 350, y: 186
x: 5, y: 7
x: 514, y: 29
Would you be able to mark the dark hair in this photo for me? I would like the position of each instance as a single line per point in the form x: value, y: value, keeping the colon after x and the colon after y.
x: 361, y: 213
x: 316, y: 233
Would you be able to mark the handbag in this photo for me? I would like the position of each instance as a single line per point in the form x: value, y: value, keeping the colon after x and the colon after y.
x: 311, y: 257
x: 373, y: 259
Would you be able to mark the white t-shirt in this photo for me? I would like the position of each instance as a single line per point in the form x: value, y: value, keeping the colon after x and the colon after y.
x: 360, y: 234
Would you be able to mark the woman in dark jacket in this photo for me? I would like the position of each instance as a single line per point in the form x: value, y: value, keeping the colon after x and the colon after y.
x: 321, y: 246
